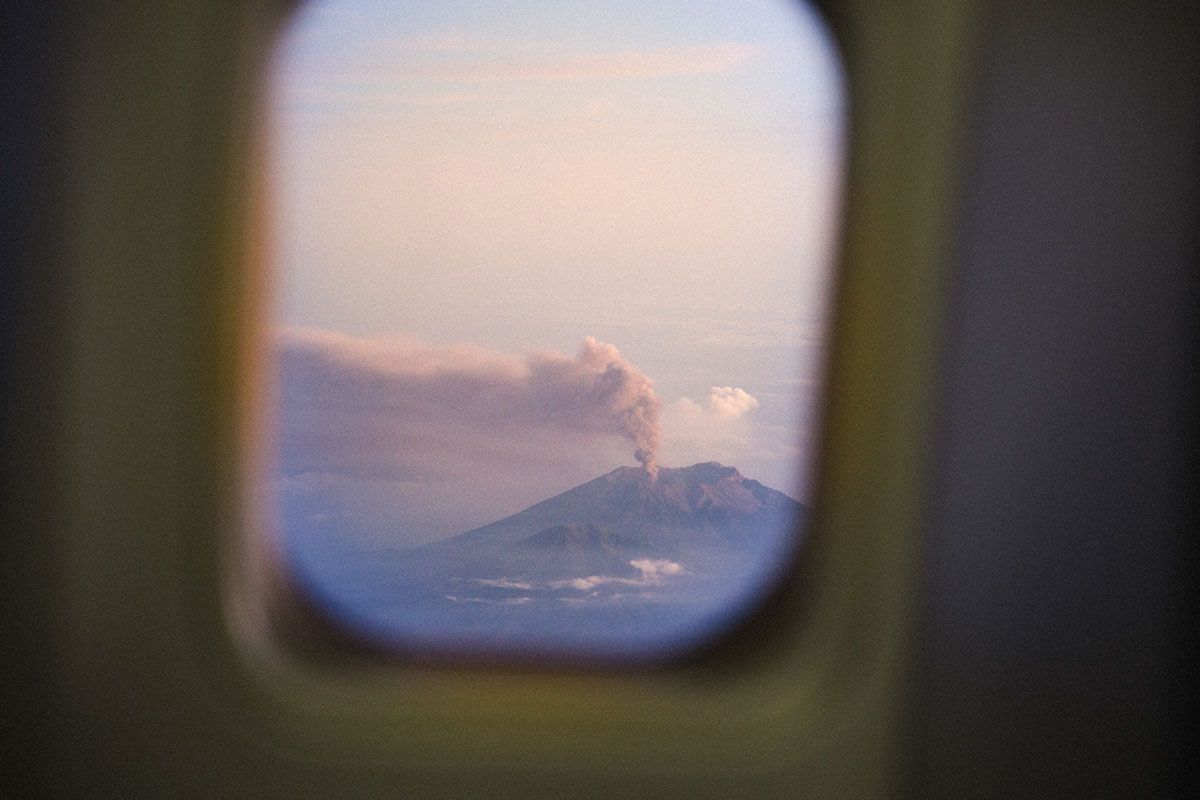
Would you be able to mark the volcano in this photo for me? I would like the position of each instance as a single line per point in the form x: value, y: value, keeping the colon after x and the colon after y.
x: 630, y: 564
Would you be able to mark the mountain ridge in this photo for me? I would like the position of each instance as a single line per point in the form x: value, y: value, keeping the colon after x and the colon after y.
x: 704, y: 496
x: 629, y: 561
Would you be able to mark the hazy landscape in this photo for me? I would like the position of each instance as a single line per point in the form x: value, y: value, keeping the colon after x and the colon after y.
x: 634, y: 563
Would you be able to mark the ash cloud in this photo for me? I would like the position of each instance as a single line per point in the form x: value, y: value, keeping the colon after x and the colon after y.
x: 419, y: 387
x: 402, y: 424
x: 599, y: 389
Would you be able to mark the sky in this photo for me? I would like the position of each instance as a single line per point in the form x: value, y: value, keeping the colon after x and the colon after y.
x: 513, y: 238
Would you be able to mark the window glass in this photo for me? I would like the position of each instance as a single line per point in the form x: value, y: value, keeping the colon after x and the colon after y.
x: 552, y: 291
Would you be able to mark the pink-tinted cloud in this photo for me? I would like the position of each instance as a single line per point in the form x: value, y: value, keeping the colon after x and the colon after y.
x: 730, y: 401
x: 709, y: 59
x: 402, y: 410
x: 470, y: 60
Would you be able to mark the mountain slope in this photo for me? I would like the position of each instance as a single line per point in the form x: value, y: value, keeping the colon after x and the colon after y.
x: 618, y: 564
x: 680, y: 508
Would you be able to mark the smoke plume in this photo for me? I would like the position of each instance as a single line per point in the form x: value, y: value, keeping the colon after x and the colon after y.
x: 401, y: 409
x: 619, y: 392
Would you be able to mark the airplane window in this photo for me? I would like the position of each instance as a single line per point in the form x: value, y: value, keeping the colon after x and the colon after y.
x: 552, y: 289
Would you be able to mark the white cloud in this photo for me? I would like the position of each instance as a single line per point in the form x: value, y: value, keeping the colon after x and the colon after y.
x: 505, y: 583
x: 507, y: 601
x: 730, y: 401
x: 653, y: 571
x: 583, y: 584
x: 724, y: 402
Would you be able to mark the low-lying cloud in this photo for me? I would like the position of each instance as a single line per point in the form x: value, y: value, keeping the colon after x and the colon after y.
x: 504, y: 601
x: 505, y: 583
x: 650, y: 572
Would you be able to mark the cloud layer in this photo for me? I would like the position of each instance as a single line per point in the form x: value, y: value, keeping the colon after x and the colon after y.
x: 706, y: 59
x: 458, y: 57
x: 652, y: 572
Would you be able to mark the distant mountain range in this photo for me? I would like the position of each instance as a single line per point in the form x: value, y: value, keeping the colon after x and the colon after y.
x: 628, y: 565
